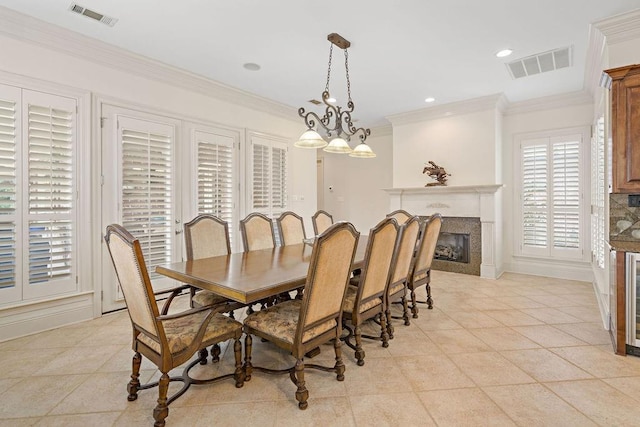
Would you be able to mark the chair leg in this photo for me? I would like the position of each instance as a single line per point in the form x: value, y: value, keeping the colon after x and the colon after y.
x: 215, y: 353
x: 405, y: 311
x: 384, y: 335
x: 414, y: 304
x: 429, y: 299
x: 161, y: 411
x: 390, y: 328
x: 238, y: 375
x: 359, y: 350
x: 134, y: 384
x: 202, y: 354
x: 339, y: 366
x: 248, y: 368
x: 302, y: 394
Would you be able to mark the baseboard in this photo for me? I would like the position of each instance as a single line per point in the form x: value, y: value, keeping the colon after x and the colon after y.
x: 558, y: 270
x: 29, y: 319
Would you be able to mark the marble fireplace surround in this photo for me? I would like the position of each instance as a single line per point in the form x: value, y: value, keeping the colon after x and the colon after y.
x: 474, y: 201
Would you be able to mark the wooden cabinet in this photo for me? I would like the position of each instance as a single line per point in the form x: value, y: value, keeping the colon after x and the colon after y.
x: 625, y: 122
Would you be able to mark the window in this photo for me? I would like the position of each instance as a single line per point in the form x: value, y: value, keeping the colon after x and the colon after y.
x: 38, y: 150
x: 598, y: 193
x: 550, y: 194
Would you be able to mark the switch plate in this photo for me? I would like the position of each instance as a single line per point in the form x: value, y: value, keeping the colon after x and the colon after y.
x: 634, y: 200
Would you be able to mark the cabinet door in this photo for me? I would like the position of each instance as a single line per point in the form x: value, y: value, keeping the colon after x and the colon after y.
x: 626, y: 131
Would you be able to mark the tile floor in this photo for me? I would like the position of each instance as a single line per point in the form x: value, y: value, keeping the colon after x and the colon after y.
x: 520, y: 350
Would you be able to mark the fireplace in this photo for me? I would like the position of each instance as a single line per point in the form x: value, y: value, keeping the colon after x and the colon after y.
x: 474, y: 210
x: 452, y: 247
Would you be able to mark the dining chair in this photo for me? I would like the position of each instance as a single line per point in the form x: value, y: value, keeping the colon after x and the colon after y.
x: 302, y: 325
x: 291, y: 228
x: 257, y: 232
x: 420, y: 273
x: 366, y: 301
x: 208, y: 236
x: 321, y: 221
x: 397, y: 288
x: 400, y: 215
x: 167, y: 340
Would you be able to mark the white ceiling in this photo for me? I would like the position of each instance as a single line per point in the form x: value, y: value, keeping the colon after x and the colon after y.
x: 401, y: 50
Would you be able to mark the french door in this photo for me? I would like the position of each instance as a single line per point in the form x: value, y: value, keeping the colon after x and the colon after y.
x: 140, y: 170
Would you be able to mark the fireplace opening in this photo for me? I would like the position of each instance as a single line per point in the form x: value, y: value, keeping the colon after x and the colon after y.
x: 452, y: 247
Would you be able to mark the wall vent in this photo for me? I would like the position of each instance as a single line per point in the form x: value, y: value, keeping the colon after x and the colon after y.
x: 81, y: 10
x: 541, y: 63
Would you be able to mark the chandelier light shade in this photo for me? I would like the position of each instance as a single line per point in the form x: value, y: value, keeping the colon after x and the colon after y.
x: 362, y: 151
x: 310, y: 139
x: 336, y: 123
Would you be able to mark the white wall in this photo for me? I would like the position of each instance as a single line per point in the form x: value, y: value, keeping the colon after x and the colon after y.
x: 624, y: 53
x: 357, y: 184
x: 464, y: 144
x: 514, y: 124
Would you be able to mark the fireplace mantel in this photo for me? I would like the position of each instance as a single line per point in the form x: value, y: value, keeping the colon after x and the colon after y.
x: 476, y: 201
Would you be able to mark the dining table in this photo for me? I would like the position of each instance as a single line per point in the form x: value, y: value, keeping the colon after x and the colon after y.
x: 248, y: 277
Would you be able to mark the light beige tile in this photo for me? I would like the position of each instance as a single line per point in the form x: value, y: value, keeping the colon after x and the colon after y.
x: 550, y: 315
x: 503, y: 338
x: 519, y: 302
x: 327, y: 411
x: 586, y: 314
x: 599, y: 401
x: 474, y: 319
x: 178, y: 416
x: 548, y: 336
x: 20, y: 402
x: 434, y: 319
x: 432, y: 373
x: 513, y: 317
x: 490, y: 368
x: 627, y: 385
x: 598, y: 362
x: 591, y: 333
x: 534, y: 405
x: 394, y: 409
x: 20, y: 363
x: 79, y: 360
x: 544, y: 365
x: 80, y: 420
x: 20, y: 422
x: 411, y: 343
x: 487, y: 303
x: 458, y: 341
x: 463, y: 407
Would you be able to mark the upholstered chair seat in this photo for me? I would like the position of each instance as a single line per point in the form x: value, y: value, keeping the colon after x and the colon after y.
x: 350, y: 300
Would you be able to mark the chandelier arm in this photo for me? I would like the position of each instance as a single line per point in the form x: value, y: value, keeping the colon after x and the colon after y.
x: 309, y: 117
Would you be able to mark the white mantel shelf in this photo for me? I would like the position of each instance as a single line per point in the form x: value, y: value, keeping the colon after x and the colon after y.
x: 479, y: 201
x: 443, y: 189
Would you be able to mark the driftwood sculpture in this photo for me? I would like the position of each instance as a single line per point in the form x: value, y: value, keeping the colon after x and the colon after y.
x: 436, y: 172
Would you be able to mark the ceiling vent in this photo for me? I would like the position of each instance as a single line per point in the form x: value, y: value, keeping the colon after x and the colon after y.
x: 315, y: 102
x: 541, y: 63
x: 80, y: 10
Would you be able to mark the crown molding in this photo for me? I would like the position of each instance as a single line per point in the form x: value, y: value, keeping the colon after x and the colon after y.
x: 26, y: 28
x: 620, y: 28
x: 484, y: 103
x: 582, y: 97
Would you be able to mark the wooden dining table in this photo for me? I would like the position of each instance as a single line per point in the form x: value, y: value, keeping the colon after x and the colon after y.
x: 251, y: 276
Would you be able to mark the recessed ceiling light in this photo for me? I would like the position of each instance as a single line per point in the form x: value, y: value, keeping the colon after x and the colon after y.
x: 251, y: 66
x: 430, y: 99
x: 503, y: 53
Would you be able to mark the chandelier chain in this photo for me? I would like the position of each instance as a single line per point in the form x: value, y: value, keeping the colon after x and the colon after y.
x: 326, y: 88
x: 346, y: 67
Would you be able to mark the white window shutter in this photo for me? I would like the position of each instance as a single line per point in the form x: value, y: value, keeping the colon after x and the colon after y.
x: 215, y: 164
x: 535, y: 158
x: 146, y: 199
x: 566, y: 194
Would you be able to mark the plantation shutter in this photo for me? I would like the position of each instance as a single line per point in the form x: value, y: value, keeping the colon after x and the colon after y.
x: 279, y: 180
x: 551, y: 198
x: 215, y: 176
x: 50, y: 132
x: 598, y: 192
x: 566, y: 194
x: 535, y: 195
x: 147, y: 187
x: 9, y: 135
x: 260, y: 184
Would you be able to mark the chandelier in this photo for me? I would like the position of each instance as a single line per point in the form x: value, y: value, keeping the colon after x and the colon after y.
x: 336, y: 123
